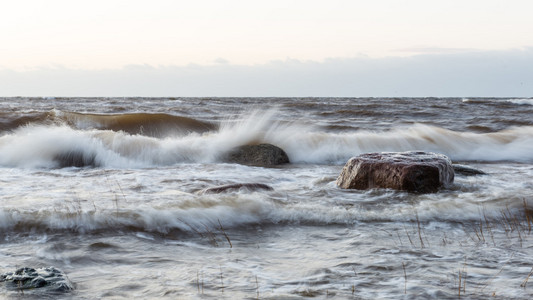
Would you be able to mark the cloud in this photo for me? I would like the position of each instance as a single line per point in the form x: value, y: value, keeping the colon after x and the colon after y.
x: 495, y: 74
x: 221, y: 60
x: 435, y: 50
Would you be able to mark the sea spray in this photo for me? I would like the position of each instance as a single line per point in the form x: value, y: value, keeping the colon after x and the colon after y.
x: 37, y: 146
x: 319, y: 147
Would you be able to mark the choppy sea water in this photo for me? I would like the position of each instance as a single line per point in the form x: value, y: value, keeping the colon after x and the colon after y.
x: 133, y: 224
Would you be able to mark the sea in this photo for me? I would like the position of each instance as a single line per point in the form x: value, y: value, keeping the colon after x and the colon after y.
x: 127, y: 219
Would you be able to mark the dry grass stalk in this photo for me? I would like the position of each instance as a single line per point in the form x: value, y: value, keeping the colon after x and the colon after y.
x: 224, y: 232
x: 211, y: 236
x: 529, y: 215
x: 198, y: 281
x: 462, y: 283
x: 353, y: 285
x: 399, y: 238
x: 488, y: 226
x: 257, y: 286
x: 487, y: 282
x: 405, y: 277
x: 524, y: 283
x: 20, y: 289
x: 221, y: 280
x: 408, y: 236
x: 419, y: 231
x: 444, y: 240
x: 114, y: 192
x: 192, y: 227
x: 461, y: 287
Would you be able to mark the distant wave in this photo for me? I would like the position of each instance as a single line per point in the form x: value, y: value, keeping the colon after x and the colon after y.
x: 519, y: 101
x: 526, y: 101
x: 156, y: 125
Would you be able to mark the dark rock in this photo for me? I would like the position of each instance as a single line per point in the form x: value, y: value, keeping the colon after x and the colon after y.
x: 236, y: 187
x: 466, y: 170
x: 263, y: 155
x: 75, y: 159
x: 420, y: 172
x: 29, y: 278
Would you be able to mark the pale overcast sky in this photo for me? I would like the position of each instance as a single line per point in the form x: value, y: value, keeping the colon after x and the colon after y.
x: 266, y: 48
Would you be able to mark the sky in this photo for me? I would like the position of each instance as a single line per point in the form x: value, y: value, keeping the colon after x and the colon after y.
x: 266, y: 48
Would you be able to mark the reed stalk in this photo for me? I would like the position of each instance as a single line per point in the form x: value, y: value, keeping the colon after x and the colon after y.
x: 257, y: 287
x: 408, y: 236
x: 528, y: 215
x: 524, y: 283
x: 419, y: 231
x: 224, y: 232
x: 221, y: 280
x: 405, y: 277
x: 198, y: 281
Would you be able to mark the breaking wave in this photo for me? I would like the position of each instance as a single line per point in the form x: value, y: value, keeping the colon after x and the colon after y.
x: 518, y: 101
x: 48, y: 146
x: 155, y: 125
x: 526, y: 101
x: 193, y: 214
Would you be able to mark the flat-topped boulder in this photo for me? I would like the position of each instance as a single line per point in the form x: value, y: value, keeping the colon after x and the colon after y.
x: 263, y: 155
x: 420, y: 172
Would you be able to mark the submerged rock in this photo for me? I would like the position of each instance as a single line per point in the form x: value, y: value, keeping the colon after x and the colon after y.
x: 236, y: 187
x: 49, y: 278
x: 420, y: 172
x: 263, y: 155
x: 466, y: 170
x: 75, y: 159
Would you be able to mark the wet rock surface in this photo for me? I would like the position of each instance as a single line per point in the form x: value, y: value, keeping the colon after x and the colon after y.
x: 237, y: 187
x: 420, y: 172
x: 263, y: 155
x: 75, y: 159
x: 49, y: 278
x: 466, y: 170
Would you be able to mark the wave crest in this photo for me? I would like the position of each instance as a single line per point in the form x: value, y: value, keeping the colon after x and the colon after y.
x: 148, y: 124
x: 40, y: 146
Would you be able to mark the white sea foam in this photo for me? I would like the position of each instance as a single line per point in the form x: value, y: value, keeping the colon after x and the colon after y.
x: 524, y: 101
x: 317, y: 147
x: 36, y: 146
x: 519, y: 101
x: 201, y: 213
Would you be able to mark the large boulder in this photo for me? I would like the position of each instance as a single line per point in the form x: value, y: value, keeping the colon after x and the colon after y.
x: 420, y: 172
x: 48, y: 278
x: 263, y: 155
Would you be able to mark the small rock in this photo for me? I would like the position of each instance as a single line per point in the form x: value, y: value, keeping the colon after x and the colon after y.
x: 420, y: 172
x: 263, y: 155
x: 29, y: 278
x: 75, y: 159
x: 236, y: 187
x: 466, y: 170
